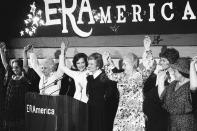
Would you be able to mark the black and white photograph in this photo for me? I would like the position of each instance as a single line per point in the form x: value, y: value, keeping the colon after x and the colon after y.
x: 98, y: 65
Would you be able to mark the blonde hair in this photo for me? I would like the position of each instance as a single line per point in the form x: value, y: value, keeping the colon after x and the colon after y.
x: 49, y: 62
x: 133, y: 59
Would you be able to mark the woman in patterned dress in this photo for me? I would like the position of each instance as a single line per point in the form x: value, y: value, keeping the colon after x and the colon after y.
x: 177, y: 96
x: 130, y: 116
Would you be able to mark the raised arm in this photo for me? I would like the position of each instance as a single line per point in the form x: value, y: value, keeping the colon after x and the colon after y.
x: 161, y: 77
x: 62, y: 66
x: 34, y: 63
x: 25, y: 60
x: 3, y: 56
x: 148, y: 62
x: 193, y: 75
x: 109, y: 66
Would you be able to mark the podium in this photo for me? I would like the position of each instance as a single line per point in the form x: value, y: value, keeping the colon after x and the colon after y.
x: 55, y: 113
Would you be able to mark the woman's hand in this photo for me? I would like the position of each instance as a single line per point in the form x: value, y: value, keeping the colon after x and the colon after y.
x: 2, y: 46
x: 194, y: 63
x: 194, y: 59
x: 147, y: 43
x: 64, y: 47
x: 106, y: 58
x: 28, y: 48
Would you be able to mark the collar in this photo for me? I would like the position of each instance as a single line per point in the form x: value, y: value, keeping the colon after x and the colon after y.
x: 97, y: 73
x: 14, y: 77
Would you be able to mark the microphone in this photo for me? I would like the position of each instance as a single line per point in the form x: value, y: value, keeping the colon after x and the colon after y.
x: 51, y: 84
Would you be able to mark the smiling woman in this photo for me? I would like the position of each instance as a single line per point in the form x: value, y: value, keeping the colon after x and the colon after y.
x: 79, y: 76
x: 97, y: 86
x: 80, y: 61
x: 16, y: 84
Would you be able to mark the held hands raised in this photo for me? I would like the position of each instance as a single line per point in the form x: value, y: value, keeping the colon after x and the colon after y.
x: 194, y: 59
x: 194, y: 63
x: 147, y: 43
x: 2, y: 46
x: 28, y: 48
x: 106, y: 58
x: 64, y: 47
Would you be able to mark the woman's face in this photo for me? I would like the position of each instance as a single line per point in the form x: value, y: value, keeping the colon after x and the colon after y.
x: 16, y: 69
x: 164, y: 63
x: 92, y: 65
x: 126, y: 65
x: 81, y: 65
x: 45, y: 70
x: 47, y: 67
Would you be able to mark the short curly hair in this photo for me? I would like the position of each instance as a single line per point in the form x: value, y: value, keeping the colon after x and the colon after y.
x: 171, y: 54
x: 133, y: 59
x: 18, y: 61
x: 79, y: 56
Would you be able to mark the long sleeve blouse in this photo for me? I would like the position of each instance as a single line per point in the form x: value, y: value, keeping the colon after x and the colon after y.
x: 80, y: 82
x: 130, y: 113
x: 47, y: 85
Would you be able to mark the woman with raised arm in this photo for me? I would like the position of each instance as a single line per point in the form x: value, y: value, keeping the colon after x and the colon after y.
x: 50, y: 78
x: 80, y: 63
x: 17, y: 85
x: 33, y: 76
x: 130, y: 115
x: 177, y: 96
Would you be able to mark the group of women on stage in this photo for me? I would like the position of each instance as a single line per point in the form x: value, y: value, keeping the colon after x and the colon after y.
x: 133, y: 94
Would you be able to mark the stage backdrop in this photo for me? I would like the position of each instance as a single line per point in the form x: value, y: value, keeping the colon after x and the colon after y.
x: 86, y: 18
x: 117, y: 26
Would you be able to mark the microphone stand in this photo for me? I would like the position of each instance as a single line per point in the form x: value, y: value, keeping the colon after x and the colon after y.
x: 51, y: 84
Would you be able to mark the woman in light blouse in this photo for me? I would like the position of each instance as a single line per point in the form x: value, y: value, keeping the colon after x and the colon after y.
x: 80, y: 63
x: 50, y: 79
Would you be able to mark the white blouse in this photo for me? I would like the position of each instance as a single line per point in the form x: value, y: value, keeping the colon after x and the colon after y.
x: 80, y: 81
x: 47, y: 85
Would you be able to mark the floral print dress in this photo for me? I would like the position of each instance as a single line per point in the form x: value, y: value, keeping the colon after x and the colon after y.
x: 130, y: 116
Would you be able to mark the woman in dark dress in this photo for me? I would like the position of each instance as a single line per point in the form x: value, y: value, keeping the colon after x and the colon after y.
x: 17, y: 87
x: 32, y: 75
x: 17, y: 84
x: 97, y: 85
x: 177, y: 98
